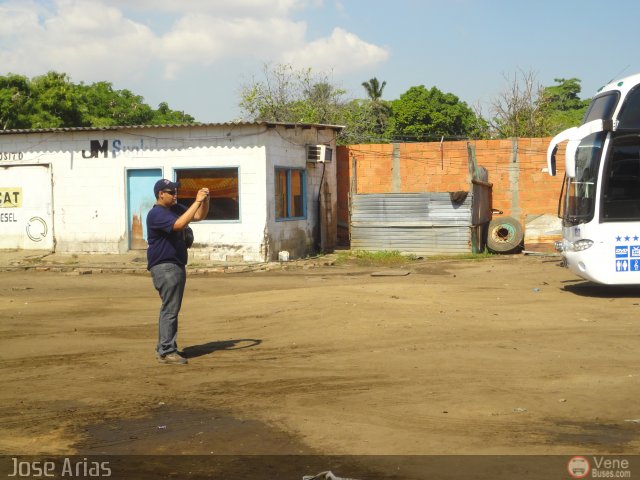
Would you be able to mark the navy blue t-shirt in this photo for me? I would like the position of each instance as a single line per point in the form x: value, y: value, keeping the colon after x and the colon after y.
x: 165, y: 244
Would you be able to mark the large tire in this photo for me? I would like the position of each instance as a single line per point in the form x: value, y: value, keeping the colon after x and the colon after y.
x: 505, y: 235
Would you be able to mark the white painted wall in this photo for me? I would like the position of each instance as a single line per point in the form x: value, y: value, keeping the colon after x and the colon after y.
x: 290, y: 152
x: 89, y: 194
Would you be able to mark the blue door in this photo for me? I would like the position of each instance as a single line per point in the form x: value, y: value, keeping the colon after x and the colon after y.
x: 140, y: 199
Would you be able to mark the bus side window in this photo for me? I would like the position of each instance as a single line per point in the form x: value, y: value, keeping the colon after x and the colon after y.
x: 621, y: 196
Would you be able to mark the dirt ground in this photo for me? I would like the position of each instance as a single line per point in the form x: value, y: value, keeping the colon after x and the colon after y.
x: 509, y: 355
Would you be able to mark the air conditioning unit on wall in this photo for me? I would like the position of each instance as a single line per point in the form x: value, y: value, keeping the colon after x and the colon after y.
x: 319, y: 154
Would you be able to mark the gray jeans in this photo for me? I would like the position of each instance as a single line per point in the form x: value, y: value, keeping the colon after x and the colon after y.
x: 169, y: 280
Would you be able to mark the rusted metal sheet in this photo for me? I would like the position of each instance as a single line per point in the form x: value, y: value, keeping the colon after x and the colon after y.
x: 482, y: 196
x: 417, y: 223
x: 481, y: 209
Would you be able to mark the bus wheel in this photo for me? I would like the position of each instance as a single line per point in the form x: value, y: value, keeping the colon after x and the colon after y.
x: 504, y: 235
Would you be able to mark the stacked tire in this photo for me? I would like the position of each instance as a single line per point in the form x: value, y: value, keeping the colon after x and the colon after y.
x: 505, y: 235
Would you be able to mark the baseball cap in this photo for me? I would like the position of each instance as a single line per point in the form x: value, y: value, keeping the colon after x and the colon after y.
x: 163, y: 185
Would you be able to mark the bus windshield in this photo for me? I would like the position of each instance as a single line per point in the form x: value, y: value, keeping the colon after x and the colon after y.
x: 578, y: 204
x: 629, y: 116
x: 602, y: 107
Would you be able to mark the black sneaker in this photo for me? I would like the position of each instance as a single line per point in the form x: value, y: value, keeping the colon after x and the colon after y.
x: 173, y: 358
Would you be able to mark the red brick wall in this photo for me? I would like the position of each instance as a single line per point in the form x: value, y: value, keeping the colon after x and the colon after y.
x: 434, y: 167
x: 520, y: 189
x: 538, y: 191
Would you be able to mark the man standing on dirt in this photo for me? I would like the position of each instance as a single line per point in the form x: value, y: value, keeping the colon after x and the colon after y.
x: 167, y: 259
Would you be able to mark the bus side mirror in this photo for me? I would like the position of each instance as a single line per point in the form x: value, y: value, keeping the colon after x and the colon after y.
x: 551, y: 162
x: 578, y: 136
x: 575, y: 136
x: 570, y: 158
x: 552, y: 150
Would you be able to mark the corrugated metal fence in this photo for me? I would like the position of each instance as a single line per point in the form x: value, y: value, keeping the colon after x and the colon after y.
x: 418, y: 223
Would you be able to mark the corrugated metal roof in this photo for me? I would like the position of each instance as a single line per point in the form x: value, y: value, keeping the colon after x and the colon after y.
x: 184, y: 125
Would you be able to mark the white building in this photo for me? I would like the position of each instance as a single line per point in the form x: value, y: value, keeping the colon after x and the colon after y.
x: 273, y: 187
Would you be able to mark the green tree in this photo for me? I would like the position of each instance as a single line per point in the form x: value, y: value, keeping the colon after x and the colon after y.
x: 374, y: 89
x: 562, y: 105
x: 52, y: 100
x: 15, y: 102
x: 526, y: 109
x: 272, y: 98
x: 286, y: 94
x: 55, y: 102
x: 165, y: 116
x: 517, y: 111
x: 104, y: 106
x: 381, y: 110
x: 321, y: 103
x: 291, y: 95
x: 359, y: 118
x: 421, y: 113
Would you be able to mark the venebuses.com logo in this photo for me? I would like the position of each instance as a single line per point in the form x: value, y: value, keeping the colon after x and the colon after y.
x: 598, y: 467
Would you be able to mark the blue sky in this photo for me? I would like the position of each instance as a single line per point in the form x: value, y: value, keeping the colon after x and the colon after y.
x: 195, y: 54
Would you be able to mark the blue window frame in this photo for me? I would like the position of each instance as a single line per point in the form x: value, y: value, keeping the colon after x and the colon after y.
x: 291, y: 189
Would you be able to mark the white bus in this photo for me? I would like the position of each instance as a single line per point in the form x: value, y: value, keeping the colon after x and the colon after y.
x: 600, y: 198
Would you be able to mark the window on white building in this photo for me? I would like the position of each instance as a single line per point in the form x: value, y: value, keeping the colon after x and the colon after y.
x: 290, y: 193
x: 224, y: 200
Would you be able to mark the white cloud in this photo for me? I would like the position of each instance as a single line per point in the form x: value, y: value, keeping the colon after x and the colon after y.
x: 85, y: 39
x: 95, y: 39
x: 342, y: 52
x: 17, y: 18
x: 221, y: 8
x: 203, y: 39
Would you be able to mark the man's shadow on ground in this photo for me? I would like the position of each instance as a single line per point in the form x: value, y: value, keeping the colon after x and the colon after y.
x: 207, y: 348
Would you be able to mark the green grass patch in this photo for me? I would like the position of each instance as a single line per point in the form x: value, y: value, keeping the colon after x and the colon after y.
x: 381, y: 258
x: 396, y: 258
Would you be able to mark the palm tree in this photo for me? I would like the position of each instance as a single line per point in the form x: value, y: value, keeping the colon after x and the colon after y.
x: 374, y: 89
x: 381, y: 110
